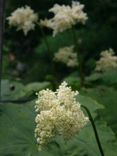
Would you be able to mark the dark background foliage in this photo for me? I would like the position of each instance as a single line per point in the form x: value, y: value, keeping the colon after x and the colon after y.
x: 98, y: 34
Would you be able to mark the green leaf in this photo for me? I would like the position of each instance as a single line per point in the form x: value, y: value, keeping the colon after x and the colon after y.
x: 73, y: 80
x: 17, y: 126
x: 93, y: 77
x: 12, y: 90
x: 85, y: 143
x: 108, y: 97
x: 91, y: 104
x: 109, y: 78
x: 106, y: 78
x: 36, y: 86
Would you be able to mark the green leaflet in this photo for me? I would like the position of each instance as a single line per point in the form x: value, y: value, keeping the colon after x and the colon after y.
x: 16, y: 137
x: 21, y: 91
x: 36, y: 86
x: 73, y: 80
x: 106, y: 78
x: 14, y: 93
x: 109, y: 78
x: 106, y: 96
x: 85, y: 143
x: 93, y: 105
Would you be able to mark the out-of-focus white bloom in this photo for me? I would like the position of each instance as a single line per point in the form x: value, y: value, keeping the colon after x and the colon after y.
x: 107, y: 61
x: 46, y: 23
x: 59, y: 113
x: 65, y: 17
x: 67, y: 56
x: 23, y: 18
x: 77, y: 12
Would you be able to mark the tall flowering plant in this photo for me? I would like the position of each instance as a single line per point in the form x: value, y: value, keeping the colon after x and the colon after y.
x: 59, y: 113
x: 64, y: 17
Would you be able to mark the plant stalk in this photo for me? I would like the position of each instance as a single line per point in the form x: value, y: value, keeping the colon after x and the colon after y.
x: 80, y: 59
x: 45, y: 39
x: 2, y: 8
x: 95, y: 130
x: 49, y: 51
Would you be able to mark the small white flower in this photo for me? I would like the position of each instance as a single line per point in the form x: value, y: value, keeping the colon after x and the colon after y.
x: 107, y: 61
x: 65, y: 17
x: 67, y: 56
x: 58, y: 114
x: 23, y: 18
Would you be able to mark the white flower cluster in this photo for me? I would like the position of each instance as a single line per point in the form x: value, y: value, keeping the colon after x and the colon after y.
x: 65, y: 17
x: 107, y: 61
x: 23, y: 18
x: 58, y: 114
x: 67, y: 56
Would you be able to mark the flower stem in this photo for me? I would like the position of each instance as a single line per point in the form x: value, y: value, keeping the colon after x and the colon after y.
x: 95, y: 130
x: 45, y: 39
x: 2, y: 8
x: 58, y: 146
x: 80, y: 59
x: 49, y: 51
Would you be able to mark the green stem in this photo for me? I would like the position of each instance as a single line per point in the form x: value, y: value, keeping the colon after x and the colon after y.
x: 49, y: 51
x: 95, y: 130
x: 45, y: 39
x: 2, y: 8
x: 80, y: 59
x: 59, y: 147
